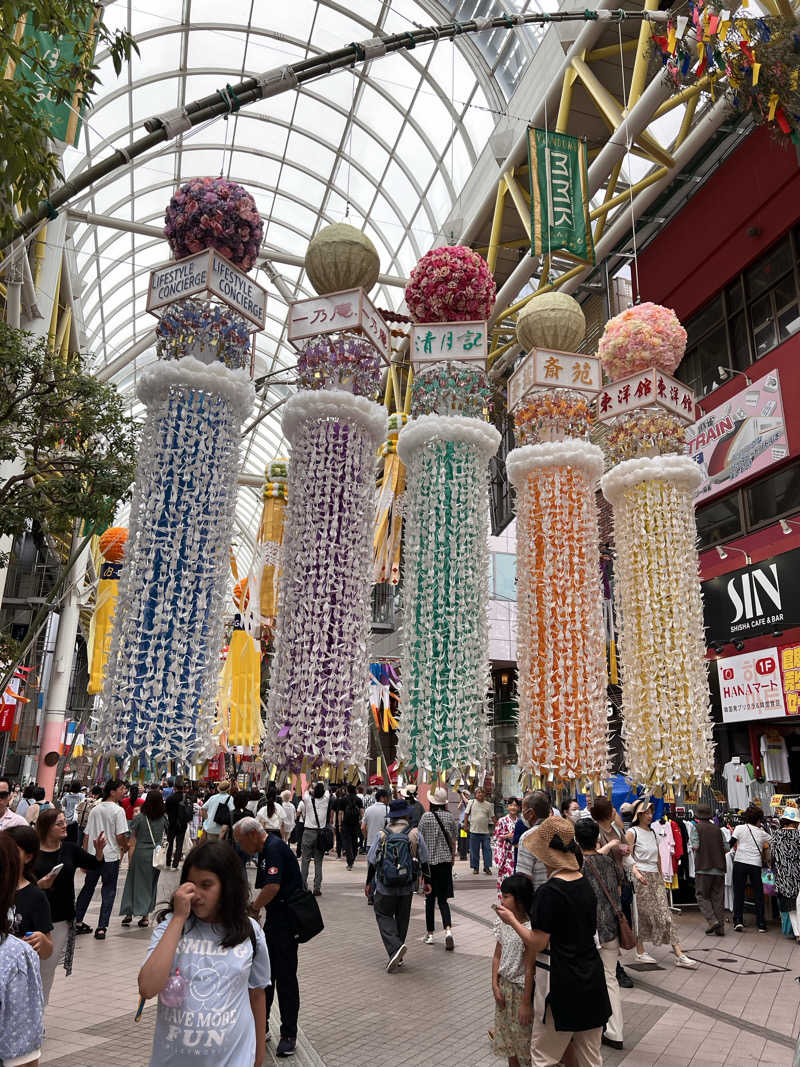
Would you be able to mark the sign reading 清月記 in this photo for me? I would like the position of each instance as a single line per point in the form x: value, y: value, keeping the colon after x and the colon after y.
x: 210, y: 273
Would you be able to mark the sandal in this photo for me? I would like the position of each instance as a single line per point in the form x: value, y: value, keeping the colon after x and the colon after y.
x: 100, y: 935
x: 143, y: 922
x: 127, y: 920
x: 82, y: 928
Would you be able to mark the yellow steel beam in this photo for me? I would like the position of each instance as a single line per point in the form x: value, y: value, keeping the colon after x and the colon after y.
x: 611, y: 51
x: 683, y: 96
x: 600, y: 212
x: 497, y: 225
x: 686, y: 124
x: 642, y: 60
x: 570, y: 74
x: 785, y: 9
x: 62, y: 337
x: 521, y: 242
x: 51, y: 334
x: 516, y: 194
x: 409, y: 383
x: 611, y: 111
x: 613, y: 178
x: 499, y: 351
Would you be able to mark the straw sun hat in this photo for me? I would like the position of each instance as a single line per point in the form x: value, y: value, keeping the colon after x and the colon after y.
x: 553, y: 843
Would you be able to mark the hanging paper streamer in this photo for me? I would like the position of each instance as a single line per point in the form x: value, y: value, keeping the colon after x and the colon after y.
x: 267, y: 557
x: 111, y: 547
x: 667, y: 726
x: 383, y: 689
x: 239, y: 706
x: 445, y: 634
x: 387, y: 539
x: 561, y: 646
x: 318, y: 697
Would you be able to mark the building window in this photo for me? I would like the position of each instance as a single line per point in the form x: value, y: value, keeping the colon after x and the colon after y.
x: 755, y: 312
x: 504, y: 576
x: 719, y: 521
x: 744, y: 510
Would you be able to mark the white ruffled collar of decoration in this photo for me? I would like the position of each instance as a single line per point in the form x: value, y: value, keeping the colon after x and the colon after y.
x: 235, y: 385
x: 335, y: 404
x: 681, y: 471
x: 580, y: 455
x: 427, y: 428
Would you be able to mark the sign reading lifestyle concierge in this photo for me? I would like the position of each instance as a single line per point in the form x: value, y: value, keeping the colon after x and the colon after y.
x: 750, y: 686
x: 210, y: 273
x: 758, y: 598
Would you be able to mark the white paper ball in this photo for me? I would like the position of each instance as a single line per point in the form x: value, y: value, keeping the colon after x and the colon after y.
x: 552, y: 320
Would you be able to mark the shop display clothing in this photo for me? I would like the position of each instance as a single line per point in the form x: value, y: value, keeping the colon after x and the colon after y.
x: 736, y: 784
x: 774, y: 757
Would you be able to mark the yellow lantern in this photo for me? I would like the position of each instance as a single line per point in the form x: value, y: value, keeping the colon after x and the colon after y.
x: 111, y: 547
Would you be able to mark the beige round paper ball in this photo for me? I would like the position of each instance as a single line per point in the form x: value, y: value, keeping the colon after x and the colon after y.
x: 342, y: 257
x: 552, y: 320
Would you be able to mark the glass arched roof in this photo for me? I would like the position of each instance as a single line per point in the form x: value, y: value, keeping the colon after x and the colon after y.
x: 387, y: 147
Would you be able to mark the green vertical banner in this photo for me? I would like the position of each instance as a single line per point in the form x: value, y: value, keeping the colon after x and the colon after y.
x: 63, y: 119
x: 559, y: 195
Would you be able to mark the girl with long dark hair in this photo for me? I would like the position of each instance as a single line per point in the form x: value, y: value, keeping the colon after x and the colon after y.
x: 32, y: 920
x: 21, y: 1000
x: 209, y: 967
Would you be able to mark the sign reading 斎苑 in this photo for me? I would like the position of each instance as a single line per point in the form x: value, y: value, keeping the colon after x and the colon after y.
x: 435, y: 342
x: 559, y: 195
x: 740, y: 438
x: 750, y: 686
x: 545, y: 368
x: 755, y: 600
x: 211, y: 274
x: 335, y: 312
x: 648, y: 388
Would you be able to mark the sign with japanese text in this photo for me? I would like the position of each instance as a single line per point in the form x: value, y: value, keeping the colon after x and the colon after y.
x: 790, y: 670
x: 544, y: 368
x: 753, y: 600
x: 648, y: 388
x: 740, y: 438
x: 750, y: 686
x: 462, y: 342
x: 559, y: 195
x: 334, y: 312
x: 210, y: 274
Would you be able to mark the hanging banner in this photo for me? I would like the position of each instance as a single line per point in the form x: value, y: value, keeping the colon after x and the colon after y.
x: 790, y: 669
x: 750, y: 686
x: 740, y: 438
x: 559, y: 195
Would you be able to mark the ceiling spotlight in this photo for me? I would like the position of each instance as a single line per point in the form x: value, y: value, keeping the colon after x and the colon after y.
x: 786, y: 525
x: 721, y: 552
x: 728, y: 372
x: 777, y: 633
x: 738, y: 645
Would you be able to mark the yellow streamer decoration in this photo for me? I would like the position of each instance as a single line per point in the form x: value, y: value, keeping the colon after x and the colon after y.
x: 773, y: 103
x: 110, y: 547
x: 239, y: 696
x: 756, y: 72
x: 387, y: 538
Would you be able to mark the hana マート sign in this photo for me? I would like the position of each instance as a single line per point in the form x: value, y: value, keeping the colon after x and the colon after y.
x: 740, y: 438
x: 750, y: 686
x: 208, y: 273
x: 559, y: 195
x: 754, y: 600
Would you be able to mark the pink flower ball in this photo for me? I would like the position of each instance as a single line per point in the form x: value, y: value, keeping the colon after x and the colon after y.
x: 646, y: 335
x: 207, y: 213
x: 451, y: 284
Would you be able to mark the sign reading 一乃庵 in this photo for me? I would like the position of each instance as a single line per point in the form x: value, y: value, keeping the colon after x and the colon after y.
x: 350, y: 309
x: 559, y: 195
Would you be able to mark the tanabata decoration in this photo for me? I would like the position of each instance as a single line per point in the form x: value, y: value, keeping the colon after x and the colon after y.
x: 387, y: 538
x: 159, y: 697
x: 446, y: 450
x: 346, y: 361
x: 667, y: 727
x: 266, y: 564
x: 384, y: 686
x: 111, y: 547
x: 646, y: 335
x: 206, y: 330
x: 563, y: 707
x: 239, y: 698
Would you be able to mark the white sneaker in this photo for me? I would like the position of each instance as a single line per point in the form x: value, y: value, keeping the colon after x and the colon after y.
x: 643, y: 957
x: 449, y: 943
x: 396, y: 960
x: 685, y: 961
x: 428, y: 939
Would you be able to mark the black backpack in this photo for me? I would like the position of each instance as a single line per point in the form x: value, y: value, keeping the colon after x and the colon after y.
x: 222, y: 812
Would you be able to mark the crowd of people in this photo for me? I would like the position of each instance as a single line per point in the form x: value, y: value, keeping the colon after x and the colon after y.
x: 575, y: 888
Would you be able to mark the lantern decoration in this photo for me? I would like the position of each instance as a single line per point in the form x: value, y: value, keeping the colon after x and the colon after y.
x: 214, y: 213
x: 561, y: 636
x: 387, y: 538
x: 161, y: 687
x: 265, y: 567
x: 446, y: 448
x: 111, y: 546
x: 239, y: 700
x: 551, y: 320
x: 666, y: 720
x: 341, y: 257
x: 318, y: 693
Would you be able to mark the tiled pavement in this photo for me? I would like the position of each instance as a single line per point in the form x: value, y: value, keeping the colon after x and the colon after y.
x: 741, y: 1006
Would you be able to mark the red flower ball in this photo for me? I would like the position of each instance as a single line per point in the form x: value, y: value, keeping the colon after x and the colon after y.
x: 451, y: 284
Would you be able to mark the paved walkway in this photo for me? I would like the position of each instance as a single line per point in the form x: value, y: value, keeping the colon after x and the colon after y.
x: 739, y: 1008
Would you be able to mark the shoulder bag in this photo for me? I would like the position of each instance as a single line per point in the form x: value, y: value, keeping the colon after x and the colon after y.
x: 767, y: 873
x: 159, y: 852
x: 307, y: 917
x: 627, y: 938
x: 447, y: 837
x: 324, y: 833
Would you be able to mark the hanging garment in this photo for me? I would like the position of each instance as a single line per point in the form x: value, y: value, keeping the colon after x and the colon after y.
x: 666, y: 849
x: 774, y: 757
x: 736, y: 784
x: 690, y: 857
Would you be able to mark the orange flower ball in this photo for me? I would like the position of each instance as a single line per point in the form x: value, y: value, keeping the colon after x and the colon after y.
x: 112, y: 543
x: 241, y: 595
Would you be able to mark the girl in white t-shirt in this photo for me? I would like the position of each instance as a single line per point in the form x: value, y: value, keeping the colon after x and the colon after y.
x: 512, y: 976
x: 750, y: 843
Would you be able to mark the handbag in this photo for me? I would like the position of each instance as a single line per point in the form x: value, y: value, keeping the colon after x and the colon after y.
x: 627, y: 938
x: 307, y: 917
x: 159, y: 852
x: 325, y: 833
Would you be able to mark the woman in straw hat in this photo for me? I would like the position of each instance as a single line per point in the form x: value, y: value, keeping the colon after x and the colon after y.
x: 654, y: 923
x: 571, y: 1004
x: 786, y: 864
x: 439, y: 831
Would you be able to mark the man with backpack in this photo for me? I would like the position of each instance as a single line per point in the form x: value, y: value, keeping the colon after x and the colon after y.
x: 351, y: 809
x: 217, y: 812
x: 393, y: 854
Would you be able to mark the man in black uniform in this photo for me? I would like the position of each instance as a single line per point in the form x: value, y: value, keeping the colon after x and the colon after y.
x: 277, y: 879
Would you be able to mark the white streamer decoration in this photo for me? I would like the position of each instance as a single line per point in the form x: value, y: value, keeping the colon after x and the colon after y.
x: 445, y: 633
x: 563, y: 706
x: 318, y: 698
x: 667, y: 725
x: 161, y: 684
